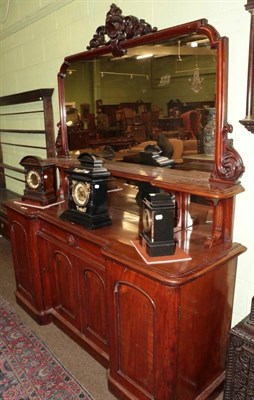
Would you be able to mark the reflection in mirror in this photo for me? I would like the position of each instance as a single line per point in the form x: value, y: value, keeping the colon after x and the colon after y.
x: 180, y: 91
x: 167, y: 88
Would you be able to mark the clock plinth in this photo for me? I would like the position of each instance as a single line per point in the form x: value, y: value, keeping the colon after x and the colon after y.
x: 166, y: 248
x: 89, y: 221
x: 87, y: 196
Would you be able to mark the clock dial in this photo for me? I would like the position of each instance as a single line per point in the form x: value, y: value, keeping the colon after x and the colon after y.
x: 81, y: 193
x: 33, y: 179
x: 147, y: 220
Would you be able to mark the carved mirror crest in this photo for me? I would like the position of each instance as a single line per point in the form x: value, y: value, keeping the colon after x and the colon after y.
x: 185, y: 64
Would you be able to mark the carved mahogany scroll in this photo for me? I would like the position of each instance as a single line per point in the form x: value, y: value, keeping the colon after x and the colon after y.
x: 118, y: 28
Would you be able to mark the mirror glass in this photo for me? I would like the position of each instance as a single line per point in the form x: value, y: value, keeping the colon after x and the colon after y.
x: 167, y: 87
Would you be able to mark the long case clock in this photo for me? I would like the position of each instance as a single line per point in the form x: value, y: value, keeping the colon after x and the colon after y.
x: 40, y: 180
x: 87, y: 196
x: 158, y: 219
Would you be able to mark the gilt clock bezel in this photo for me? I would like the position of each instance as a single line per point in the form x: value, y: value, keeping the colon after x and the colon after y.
x: 147, y: 220
x: 86, y: 188
x: 29, y: 179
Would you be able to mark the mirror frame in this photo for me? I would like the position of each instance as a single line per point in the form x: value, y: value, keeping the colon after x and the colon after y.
x: 128, y: 32
x: 248, y: 121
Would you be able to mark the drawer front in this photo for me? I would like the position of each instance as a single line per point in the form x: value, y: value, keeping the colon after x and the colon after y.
x: 72, y: 241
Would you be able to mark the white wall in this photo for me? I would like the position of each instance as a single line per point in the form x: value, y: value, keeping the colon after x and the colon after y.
x: 37, y: 34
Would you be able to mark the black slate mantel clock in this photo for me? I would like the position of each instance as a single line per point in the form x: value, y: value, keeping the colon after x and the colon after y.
x: 40, y: 180
x: 158, y: 225
x: 87, y: 196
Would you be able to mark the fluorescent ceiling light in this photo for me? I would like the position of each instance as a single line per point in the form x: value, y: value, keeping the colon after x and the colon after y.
x: 144, y: 56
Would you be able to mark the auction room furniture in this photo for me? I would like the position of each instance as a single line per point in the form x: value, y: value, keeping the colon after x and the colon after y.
x: 160, y: 329
x: 240, y: 360
x: 239, y: 382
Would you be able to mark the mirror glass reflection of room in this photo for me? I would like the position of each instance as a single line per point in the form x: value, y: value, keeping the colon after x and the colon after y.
x: 166, y: 88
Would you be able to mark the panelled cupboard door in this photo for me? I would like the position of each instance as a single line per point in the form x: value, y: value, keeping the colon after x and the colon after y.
x: 92, y: 288
x: 25, y: 258
x: 22, y: 262
x: 65, y: 290
x: 143, y: 329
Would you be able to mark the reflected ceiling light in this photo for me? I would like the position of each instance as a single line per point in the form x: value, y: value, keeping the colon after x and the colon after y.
x: 70, y: 71
x: 198, y: 42
x: 127, y: 74
x: 144, y: 56
x: 179, y: 58
x: 196, y: 81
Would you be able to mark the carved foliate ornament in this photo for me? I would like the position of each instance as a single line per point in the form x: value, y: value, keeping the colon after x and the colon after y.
x: 118, y: 28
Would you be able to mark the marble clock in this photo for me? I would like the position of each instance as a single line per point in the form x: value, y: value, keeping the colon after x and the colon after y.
x: 40, y: 180
x: 158, y: 219
x: 87, y: 195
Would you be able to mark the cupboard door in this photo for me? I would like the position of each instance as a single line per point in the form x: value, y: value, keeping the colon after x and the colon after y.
x: 65, y: 291
x: 29, y: 291
x: 143, y: 326
x: 93, y: 303
x: 136, y: 318
x: 22, y: 262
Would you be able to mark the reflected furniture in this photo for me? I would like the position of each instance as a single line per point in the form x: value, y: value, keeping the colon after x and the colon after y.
x: 239, y: 382
x: 78, y: 137
x: 181, y: 149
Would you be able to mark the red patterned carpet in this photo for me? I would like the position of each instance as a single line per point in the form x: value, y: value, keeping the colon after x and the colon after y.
x: 28, y: 369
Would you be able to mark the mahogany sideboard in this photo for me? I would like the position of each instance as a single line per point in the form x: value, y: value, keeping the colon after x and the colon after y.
x: 161, y: 330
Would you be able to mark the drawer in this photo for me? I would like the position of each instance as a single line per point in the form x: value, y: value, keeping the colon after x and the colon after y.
x: 73, y: 241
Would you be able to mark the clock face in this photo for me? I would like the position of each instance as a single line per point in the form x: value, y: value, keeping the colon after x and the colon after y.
x: 33, y: 179
x: 81, y: 193
x: 147, y: 220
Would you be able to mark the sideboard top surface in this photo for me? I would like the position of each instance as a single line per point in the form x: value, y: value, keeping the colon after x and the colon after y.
x: 116, y: 241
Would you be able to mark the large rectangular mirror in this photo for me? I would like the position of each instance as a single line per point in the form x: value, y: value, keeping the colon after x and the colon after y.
x: 142, y: 83
x: 168, y: 88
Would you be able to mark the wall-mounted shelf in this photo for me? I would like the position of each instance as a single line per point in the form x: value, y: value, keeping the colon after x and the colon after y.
x: 43, y: 96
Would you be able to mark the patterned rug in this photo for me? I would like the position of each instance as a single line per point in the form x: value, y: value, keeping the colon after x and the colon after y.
x: 28, y: 369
